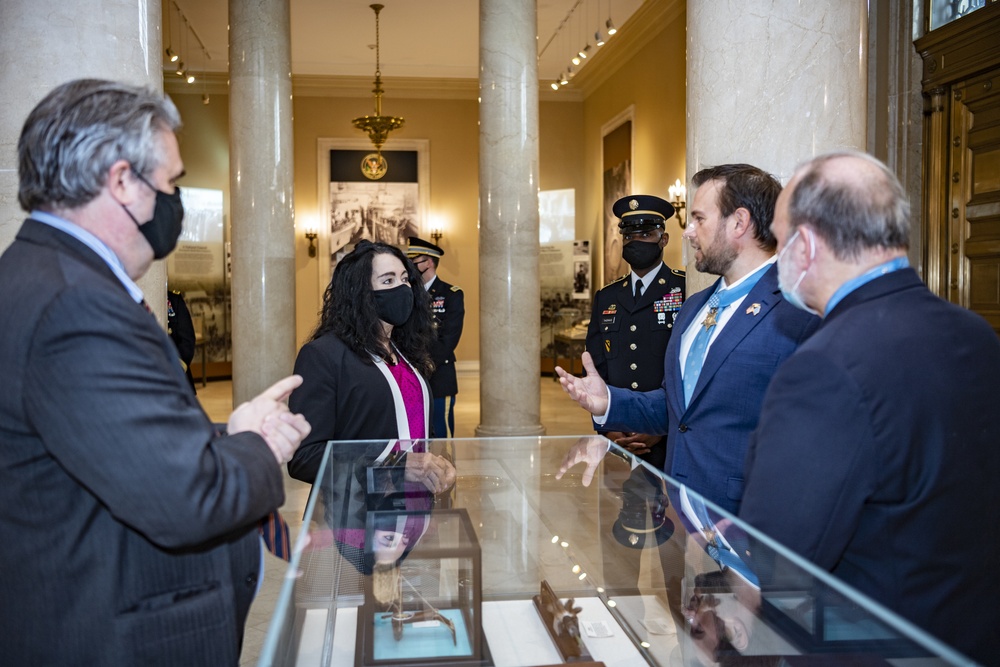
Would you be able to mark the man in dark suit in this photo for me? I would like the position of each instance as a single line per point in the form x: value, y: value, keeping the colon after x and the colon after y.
x: 448, y: 308
x: 129, y: 521
x: 740, y: 330
x: 876, y: 455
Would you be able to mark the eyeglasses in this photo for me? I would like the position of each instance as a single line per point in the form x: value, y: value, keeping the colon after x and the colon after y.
x: 649, y: 235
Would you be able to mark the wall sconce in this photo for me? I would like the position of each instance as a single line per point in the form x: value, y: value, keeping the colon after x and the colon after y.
x: 677, y: 193
x: 311, y: 235
x: 436, y: 234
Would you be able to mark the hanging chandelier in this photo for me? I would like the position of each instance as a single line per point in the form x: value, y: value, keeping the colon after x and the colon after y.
x: 378, y: 126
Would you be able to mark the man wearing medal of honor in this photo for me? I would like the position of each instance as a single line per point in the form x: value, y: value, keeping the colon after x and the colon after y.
x: 730, y: 339
x: 878, y: 450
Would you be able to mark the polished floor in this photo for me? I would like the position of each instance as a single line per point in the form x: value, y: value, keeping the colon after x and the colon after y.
x: 559, y: 415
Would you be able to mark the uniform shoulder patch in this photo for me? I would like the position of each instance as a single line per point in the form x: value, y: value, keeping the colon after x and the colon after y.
x: 456, y: 288
x: 617, y: 280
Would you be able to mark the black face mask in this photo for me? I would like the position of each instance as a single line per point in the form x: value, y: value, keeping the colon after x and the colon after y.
x: 165, y: 228
x: 394, y: 305
x: 641, y: 255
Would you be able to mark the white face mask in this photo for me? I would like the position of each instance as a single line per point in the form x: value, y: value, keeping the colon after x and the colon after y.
x: 791, y: 294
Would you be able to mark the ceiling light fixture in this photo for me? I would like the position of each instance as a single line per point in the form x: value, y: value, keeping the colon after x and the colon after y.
x: 377, y: 127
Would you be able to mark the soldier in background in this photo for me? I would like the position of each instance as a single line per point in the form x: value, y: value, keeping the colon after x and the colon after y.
x: 180, y: 328
x: 630, y: 325
x: 448, y: 309
x: 633, y: 317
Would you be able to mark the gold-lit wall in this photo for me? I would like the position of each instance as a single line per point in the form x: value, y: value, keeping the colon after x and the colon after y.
x: 651, y: 79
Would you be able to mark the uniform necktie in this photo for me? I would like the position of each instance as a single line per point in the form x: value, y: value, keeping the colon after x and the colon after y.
x: 638, y: 288
x: 718, y: 302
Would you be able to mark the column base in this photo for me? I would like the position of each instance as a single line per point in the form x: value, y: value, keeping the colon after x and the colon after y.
x: 508, y: 431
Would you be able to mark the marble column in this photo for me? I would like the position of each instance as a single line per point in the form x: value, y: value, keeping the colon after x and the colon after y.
x: 261, y: 175
x: 773, y: 83
x: 44, y: 43
x: 509, y: 347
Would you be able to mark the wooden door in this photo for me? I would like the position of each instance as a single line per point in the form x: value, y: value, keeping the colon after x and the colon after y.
x: 975, y: 194
x: 961, y: 161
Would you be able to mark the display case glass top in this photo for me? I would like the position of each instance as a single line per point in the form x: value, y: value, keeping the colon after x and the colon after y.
x: 543, y: 550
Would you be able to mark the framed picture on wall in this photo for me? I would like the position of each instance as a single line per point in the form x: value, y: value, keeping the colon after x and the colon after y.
x: 616, y: 169
x: 353, y: 207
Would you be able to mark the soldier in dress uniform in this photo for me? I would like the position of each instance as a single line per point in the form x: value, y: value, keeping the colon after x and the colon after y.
x: 180, y: 328
x: 633, y: 317
x: 630, y: 326
x: 448, y: 308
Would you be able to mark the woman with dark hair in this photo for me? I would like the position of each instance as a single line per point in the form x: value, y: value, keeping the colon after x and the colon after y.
x: 363, y: 369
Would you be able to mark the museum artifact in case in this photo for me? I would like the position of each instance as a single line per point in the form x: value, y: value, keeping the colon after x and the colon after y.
x: 629, y: 568
x: 422, y: 603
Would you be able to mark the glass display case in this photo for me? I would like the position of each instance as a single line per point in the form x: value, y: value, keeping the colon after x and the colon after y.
x: 543, y: 550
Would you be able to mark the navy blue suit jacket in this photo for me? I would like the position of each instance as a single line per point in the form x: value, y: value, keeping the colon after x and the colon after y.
x: 877, y: 457
x: 707, y: 440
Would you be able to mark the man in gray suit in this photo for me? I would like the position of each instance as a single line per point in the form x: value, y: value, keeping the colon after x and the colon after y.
x: 128, y: 519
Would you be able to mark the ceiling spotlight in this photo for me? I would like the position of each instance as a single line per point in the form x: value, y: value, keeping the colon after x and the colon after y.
x: 598, y: 38
x: 554, y: 85
x: 610, y: 26
x: 575, y: 60
x: 563, y: 79
x: 570, y: 73
x: 190, y: 78
x: 180, y: 68
x: 171, y: 56
x: 205, y: 99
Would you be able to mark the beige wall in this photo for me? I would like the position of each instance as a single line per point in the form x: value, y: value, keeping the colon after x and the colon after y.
x: 450, y: 125
x: 653, y: 81
x: 451, y: 128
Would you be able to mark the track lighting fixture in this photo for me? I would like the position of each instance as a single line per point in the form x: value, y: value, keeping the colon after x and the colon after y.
x: 563, y: 79
x: 171, y: 55
x: 179, y: 69
x: 610, y: 26
x: 598, y: 39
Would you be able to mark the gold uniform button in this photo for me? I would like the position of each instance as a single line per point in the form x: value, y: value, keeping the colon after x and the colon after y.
x: 632, y: 346
x: 632, y: 328
x: 633, y: 366
x: 635, y: 385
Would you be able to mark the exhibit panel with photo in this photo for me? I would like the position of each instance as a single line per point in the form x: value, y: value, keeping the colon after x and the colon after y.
x: 198, y: 270
x: 355, y: 208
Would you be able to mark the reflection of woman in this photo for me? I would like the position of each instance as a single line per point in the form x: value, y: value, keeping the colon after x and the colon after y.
x: 363, y: 370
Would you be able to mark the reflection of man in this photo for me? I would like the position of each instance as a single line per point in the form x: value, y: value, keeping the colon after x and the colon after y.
x: 876, y: 456
x: 740, y: 330
x: 448, y: 308
x: 130, y: 523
